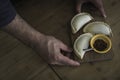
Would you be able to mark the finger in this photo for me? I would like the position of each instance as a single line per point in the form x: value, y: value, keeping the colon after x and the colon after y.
x: 103, y: 12
x: 99, y: 5
x: 56, y: 63
x: 78, y: 7
x: 66, y: 61
x: 65, y: 47
x: 101, y: 8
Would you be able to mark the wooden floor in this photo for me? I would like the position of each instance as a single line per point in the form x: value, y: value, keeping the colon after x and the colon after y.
x: 52, y: 17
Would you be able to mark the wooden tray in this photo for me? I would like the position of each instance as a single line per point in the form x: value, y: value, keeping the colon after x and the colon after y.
x: 91, y: 56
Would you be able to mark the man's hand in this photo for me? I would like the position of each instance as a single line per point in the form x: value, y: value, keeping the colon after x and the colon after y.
x: 50, y: 49
x: 97, y: 3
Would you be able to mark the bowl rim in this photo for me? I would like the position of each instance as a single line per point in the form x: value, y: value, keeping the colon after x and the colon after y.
x: 102, y: 36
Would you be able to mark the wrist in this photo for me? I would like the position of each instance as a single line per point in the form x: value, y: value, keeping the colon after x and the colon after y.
x: 37, y: 39
x: 24, y: 32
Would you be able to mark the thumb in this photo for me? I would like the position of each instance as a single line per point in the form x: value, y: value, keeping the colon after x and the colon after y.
x: 79, y: 5
x: 67, y: 61
x: 99, y: 5
x: 102, y: 12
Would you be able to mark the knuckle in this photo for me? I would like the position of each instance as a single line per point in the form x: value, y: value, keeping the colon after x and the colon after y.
x: 56, y: 58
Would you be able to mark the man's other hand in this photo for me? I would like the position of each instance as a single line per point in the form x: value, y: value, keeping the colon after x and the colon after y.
x: 50, y: 49
x: 97, y: 3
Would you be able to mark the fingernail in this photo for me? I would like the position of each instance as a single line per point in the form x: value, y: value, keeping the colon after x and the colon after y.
x: 104, y: 16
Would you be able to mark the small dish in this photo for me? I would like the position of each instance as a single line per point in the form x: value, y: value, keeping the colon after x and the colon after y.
x: 100, y: 43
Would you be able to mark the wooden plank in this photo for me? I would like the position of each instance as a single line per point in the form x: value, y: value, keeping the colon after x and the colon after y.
x: 2, y: 35
x: 7, y: 44
x: 16, y: 55
x: 24, y: 64
x: 46, y: 74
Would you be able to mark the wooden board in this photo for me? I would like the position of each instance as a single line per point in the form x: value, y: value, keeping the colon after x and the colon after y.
x: 91, y: 56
